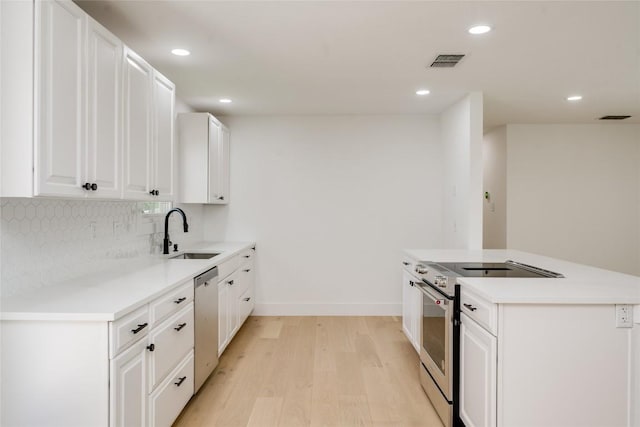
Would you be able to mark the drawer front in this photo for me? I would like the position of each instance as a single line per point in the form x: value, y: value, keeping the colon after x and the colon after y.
x: 171, y: 341
x: 246, y: 304
x: 480, y: 310
x: 245, y: 276
x: 166, y: 403
x: 170, y: 303
x: 246, y: 256
x: 228, y: 267
x: 127, y: 330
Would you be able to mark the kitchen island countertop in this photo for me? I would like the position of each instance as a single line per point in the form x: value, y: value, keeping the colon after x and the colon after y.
x: 581, y: 284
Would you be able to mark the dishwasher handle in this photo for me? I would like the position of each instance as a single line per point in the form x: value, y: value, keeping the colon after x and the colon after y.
x: 206, y: 276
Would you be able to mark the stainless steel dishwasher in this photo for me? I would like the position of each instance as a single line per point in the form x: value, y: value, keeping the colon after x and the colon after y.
x: 206, y: 326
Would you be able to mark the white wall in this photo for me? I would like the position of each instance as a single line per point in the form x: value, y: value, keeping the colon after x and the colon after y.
x: 331, y: 202
x: 461, y: 134
x: 573, y: 192
x: 494, y: 216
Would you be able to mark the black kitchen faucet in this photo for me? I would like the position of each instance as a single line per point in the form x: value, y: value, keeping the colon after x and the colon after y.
x: 167, y: 242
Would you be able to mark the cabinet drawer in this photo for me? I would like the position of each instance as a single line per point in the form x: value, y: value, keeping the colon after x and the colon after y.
x: 171, y: 341
x: 246, y: 255
x: 245, y: 305
x: 127, y: 330
x: 170, y: 302
x: 480, y: 310
x: 227, y: 267
x: 166, y: 403
x: 245, y: 277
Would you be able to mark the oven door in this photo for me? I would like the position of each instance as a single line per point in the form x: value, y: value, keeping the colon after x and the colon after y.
x: 436, y: 347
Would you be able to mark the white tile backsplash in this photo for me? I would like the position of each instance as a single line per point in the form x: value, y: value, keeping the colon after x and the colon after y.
x: 47, y: 241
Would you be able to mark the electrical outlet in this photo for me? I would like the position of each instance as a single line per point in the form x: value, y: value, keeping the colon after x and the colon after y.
x: 624, y: 316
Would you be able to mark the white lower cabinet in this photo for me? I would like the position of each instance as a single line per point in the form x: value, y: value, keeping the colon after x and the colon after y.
x: 537, y: 364
x: 478, y: 374
x: 166, y: 402
x: 235, y: 298
x: 411, y: 309
x: 128, y: 387
x: 147, y: 387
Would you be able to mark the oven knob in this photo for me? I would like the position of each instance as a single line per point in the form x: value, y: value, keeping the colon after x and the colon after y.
x: 421, y: 269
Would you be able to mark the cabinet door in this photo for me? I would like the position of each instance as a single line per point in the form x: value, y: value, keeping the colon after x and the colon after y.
x: 60, y: 28
x: 163, y: 137
x: 137, y: 96
x: 478, y: 374
x: 215, y: 177
x: 235, y: 286
x: 223, y: 316
x: 409, y: 310
x: 224, y: 164
x: 104, y: 71
x: 128, y: 391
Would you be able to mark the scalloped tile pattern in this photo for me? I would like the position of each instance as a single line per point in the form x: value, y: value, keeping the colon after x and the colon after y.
x: 45, y: 242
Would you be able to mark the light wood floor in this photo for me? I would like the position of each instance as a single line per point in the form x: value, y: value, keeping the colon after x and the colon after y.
x: 314, y: 371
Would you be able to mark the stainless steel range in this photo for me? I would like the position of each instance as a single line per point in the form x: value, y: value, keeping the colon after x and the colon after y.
x: 440, y: 340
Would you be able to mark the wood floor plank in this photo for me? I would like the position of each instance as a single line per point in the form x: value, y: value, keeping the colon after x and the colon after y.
x: 314, y: 371
x: 266, y: 412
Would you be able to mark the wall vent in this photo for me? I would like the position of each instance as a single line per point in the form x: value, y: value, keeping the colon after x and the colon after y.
x: 613, y: 117
x: 446, y: 61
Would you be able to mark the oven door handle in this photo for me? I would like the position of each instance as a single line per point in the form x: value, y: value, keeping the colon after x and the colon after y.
x: 436, y: 300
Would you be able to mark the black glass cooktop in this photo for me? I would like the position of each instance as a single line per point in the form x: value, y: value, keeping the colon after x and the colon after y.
x: 490, y: 269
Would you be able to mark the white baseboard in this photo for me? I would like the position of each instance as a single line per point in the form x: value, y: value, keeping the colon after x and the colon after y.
x: 306, y: 309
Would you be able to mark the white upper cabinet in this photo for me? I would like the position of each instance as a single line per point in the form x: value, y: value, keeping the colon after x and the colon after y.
x: 104, y: 72
x: 204, y: 159
x: 137, y: 99
x: 149, y: 100
x: 82, y: 115
x: 164, y: 167
x: 60, y: 127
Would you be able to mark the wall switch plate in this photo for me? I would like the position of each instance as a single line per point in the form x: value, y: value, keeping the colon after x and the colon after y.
x: 624, y: 316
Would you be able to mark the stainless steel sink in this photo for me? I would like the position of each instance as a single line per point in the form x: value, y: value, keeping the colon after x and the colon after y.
x: 191, y: 255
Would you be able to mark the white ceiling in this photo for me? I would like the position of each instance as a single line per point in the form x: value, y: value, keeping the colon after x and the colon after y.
x: 365, y: 57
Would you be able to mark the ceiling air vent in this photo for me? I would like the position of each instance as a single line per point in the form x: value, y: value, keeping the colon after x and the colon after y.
x: 446, y: 61
x: 614, y: 117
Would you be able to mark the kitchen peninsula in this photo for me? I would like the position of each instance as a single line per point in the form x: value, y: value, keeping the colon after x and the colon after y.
x: 531, y: 350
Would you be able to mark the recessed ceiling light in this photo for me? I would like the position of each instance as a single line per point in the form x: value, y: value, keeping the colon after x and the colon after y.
x: 574, y: 98
x: 225, y: 100
x: 479, y: 29
x: 180, y: 52
x: 422, y: 92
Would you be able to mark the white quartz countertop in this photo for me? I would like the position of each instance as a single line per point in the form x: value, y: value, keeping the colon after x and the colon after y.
x: 107, y: 296
x: 581, y: 284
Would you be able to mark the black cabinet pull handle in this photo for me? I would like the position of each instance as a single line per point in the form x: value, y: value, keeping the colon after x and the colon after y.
x: 157, y: 193
x: 152, y: 192
x: 405, y: 263
x: 151, y: 347
x: 179, y: 300
x: 470, y: 307
x: 246, y: 256
x: 180, y: 381
x: 140, y: 327
x: 94, y: 186
x: 221, y: 198
x: 411, y: 283
x: 247, y: 299
x: 86, y: 186
x: 180, y: 326
x: 253, y: 248
x: 247, y: 270
x: 230, y: 282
